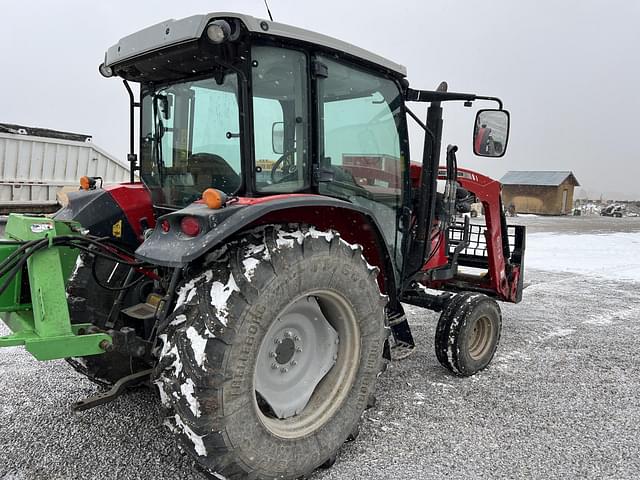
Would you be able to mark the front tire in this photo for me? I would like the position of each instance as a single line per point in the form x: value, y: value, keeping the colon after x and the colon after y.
x: 304, y: 301
x: 468, y: 333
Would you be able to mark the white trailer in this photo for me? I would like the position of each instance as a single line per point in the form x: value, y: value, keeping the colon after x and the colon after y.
x: 36, y: 164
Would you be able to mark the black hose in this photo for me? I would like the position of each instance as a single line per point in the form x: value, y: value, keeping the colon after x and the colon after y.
x: 113, y: 289
x: 16, y: 253
x: 14, y: 263
x: 15, y: 268
x: 435, y: 249
x: 103, y: 255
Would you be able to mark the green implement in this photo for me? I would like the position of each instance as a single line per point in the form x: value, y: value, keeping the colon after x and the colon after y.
x: 33, y: 303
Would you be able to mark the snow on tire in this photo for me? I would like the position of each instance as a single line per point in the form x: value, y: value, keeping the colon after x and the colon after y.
x: 272, y: 352
x: 468, y: 333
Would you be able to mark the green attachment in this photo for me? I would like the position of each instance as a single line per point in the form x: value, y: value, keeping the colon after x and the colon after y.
x: 34, y: 306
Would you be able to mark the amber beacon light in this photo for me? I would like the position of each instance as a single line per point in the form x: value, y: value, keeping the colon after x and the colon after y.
x: 214, y: 198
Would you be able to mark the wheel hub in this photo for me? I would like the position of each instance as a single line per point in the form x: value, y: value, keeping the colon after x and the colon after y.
x: 299, y: 349
x: 480, y: 340
x: 285, y: 351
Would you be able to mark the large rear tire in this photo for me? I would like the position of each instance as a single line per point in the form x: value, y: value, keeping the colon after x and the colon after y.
x: 272, y: 353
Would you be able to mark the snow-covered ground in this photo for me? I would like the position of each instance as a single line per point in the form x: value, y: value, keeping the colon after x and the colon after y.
x: 609, y: 255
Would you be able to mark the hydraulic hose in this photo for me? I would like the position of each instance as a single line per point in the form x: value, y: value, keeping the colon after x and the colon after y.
x: 95, y: 246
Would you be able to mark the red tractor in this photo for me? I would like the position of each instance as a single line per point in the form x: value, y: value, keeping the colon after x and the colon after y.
x: 258, y: 272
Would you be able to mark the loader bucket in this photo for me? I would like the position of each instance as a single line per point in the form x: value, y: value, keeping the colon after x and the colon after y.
x: 33, y: 303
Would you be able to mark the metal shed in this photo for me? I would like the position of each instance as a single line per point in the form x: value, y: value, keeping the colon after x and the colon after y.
x: 36, y: 163
x: 539, y: 192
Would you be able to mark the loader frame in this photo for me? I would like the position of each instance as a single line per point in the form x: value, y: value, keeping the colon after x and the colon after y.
x: 34, y: 303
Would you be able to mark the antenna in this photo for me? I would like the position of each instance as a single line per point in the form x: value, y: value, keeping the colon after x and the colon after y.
x: 268, y: 11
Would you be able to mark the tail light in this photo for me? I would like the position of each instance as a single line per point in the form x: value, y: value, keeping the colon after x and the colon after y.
x: 165, y: 225
x: 190, y: 226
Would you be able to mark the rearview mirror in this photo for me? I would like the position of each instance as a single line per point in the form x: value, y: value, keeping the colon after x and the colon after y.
x: 491, y: 133
x: 277, y: 137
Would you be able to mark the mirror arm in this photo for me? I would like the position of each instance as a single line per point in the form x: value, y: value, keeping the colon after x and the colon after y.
x: 412, y: 95
x: 491, y: 99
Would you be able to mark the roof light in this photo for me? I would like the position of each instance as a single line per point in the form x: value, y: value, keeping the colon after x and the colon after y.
x: 214, y: 198
x: 218, y: 31
x: 190, y: 226
x: 105, y: 71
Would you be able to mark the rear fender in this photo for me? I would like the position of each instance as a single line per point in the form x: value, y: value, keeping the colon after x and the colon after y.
x: 355, y: 224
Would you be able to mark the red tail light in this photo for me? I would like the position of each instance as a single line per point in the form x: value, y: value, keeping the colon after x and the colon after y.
x: 165, y: 226
x: 190, y: 226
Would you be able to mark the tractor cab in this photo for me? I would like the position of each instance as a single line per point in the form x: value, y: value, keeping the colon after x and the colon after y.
x: 255, y: 108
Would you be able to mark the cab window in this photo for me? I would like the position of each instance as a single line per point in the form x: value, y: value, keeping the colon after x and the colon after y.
x: 360, y: 122
x: 280, y: 119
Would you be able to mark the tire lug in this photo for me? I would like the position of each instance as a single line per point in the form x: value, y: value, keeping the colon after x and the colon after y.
x: 284, y: 370
x: 274, y: 366
x: 293, y: 363
x: 278, y: 341
x: 297, y: 338
x: 298, y: 349
x: 273, y: 354
x: 287, y: 334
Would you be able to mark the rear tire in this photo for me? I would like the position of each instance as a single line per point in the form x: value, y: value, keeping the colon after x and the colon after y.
x: 228, y: 320
x: 468, y: 333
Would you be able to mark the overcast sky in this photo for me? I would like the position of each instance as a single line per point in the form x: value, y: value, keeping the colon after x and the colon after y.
x: 568, y: 71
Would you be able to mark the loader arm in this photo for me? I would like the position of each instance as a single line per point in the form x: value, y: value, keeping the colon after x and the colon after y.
x: 495, y: 248
x: 505, y: 263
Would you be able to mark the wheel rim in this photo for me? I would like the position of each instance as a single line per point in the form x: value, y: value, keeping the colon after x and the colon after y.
x: 480, y: 339
x: 306, y: 363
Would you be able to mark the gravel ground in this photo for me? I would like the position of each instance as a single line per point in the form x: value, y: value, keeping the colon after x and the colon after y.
x: 560, y: 400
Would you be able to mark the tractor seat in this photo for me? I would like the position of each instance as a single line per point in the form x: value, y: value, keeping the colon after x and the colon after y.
x: 211, y: 170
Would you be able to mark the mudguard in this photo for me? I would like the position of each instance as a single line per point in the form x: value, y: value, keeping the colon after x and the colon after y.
x: 172, y: 248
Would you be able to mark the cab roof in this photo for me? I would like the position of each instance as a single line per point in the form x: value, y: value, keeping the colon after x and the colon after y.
x: 174, y: 32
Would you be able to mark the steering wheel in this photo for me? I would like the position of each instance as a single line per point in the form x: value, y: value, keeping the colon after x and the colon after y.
x: 286, y: 162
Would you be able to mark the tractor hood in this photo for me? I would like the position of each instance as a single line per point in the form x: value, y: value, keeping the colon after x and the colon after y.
x: 174, y: 33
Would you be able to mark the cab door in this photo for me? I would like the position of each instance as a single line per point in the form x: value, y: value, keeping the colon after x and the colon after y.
x: 362, y: 142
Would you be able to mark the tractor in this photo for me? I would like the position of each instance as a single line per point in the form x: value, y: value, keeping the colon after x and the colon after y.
x: 254, y: 268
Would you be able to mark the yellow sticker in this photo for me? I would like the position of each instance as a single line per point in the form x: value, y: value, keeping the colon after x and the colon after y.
x: 116, y: 230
